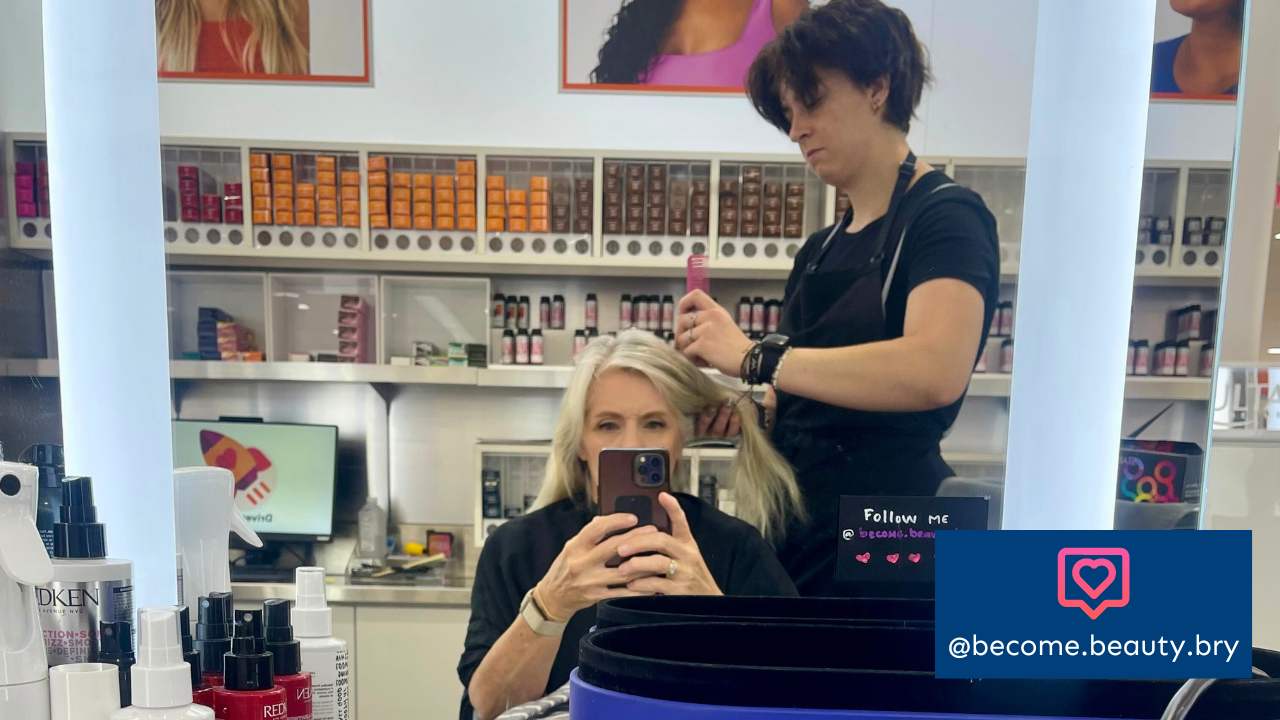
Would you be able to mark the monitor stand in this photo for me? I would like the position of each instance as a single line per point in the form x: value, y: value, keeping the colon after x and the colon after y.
x: 274, y: 562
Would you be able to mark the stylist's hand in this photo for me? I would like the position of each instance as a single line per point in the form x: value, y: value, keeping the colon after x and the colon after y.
x: 691, y: 575
x: 578, y: 577
x: 706, y: 332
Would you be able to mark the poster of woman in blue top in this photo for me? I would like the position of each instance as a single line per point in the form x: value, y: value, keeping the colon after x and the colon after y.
x: 1204, y: 62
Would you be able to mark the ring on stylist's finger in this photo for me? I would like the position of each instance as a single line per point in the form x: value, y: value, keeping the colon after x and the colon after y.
x: 693, y: 318
x: 671, y: 569
x: 690, y: 335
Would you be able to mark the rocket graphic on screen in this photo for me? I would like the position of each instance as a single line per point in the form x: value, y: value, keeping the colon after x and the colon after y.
x: 252, y: 470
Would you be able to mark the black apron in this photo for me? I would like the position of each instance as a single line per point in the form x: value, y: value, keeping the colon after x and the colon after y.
x: 838, y: 308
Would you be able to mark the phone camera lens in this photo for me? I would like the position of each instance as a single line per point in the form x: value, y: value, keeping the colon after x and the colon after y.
x: 656, y: 478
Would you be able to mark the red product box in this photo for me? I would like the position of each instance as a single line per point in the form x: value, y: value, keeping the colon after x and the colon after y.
x: 27, y: 182
x: 234, y: 215
x: 42, y: 168
x: 188, y: 185
x: 233, y: 189
x: 212, y: 214
x: 43, y: 210
x: 27, y: 209
x: 190, y: 199
x: 211, y: 200
x: 190, y: 214
x: 27, y: 195
x: 24, y: 169
x: 188, y: 171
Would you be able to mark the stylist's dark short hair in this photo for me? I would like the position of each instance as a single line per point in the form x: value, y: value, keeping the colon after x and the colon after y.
x: 863, y: 39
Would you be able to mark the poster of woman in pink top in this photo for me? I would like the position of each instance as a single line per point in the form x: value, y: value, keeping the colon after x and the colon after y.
x: 667, y: 45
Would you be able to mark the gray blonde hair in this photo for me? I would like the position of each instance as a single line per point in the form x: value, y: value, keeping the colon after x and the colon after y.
x: 767, y: 493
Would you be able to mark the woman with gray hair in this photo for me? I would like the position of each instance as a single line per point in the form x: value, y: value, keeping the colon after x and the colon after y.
x: 539, y: 576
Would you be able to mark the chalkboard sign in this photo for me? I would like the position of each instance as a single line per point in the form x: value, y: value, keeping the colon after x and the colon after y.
x: 888, y: 539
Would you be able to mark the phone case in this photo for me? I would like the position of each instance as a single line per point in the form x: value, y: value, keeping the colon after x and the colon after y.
x: 621, y: 490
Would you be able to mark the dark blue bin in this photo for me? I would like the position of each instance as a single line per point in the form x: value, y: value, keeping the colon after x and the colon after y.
x: 878, y: 612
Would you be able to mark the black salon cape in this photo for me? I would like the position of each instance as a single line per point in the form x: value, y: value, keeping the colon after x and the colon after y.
x: 521, y: 551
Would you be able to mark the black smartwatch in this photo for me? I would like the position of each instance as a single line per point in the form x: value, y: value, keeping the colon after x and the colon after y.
x: 762, y: 359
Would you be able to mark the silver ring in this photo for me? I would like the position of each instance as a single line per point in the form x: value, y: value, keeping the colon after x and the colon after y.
x: 693, y: 318
x: 691, y: 338
x: 671, y: 569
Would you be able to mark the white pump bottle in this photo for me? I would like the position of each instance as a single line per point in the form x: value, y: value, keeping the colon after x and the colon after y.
x: 24, y: 565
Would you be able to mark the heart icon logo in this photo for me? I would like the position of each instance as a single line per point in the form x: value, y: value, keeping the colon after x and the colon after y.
x: 1091, y: 589
x: 892, y: 558
x: 864, y: 558
x: 914, y: 557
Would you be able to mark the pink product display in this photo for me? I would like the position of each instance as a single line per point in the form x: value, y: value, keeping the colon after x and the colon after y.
x: 24, y: 182
x: 189, y: 193
x: 353, y: 330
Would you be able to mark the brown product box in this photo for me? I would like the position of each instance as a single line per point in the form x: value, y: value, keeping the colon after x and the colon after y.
x: 258, y: 160
x: 401, y: 207
x: 495, y: 182
x: 350, y: 178
x: 444, y: 182
x: 562, y: 211
x: 635, y: 171
x: 378, y: 207
x: 517, y: 211
x: 539, y: 197
x: 793, y: 230
x: 377, y: 177
x: 305, y: 218
x: 262, y: 217
x: 612, y: 184
x: 700, y: 199
x: 681, y: 214
x: 772, y: 231
x: 444, y: 209
x: 467, y: 167
x: 657, y: 171
x: 421, y: 209
x: 699, y: 227
x: 632, y: 200
x: 517, y: 197
x: 284, y: 217
x: 611, y: 212
x: 584, y: 211
x: 795, y: 189
x: 401, y: 179
x: 613, y: 198
x: 562, y: 184
x: 466, y: 222
x: 581, y: 226
x: 421, y: 222
x: 518, y: 225
x: 635, y: 187
x: 284, y: 203
x: 772, y: 217
x: 282, y: 189
x: 657, y: 212
x: 793, y: 216
x: 422, y: 180
x: 559, y: 225
x: 582, y: 184
x: 327, y: 206
x: 657, y: 186
x: 326, y: 177
x: 729, y: 187
x: 377, y: 162
x: 379, y: 221
x: 466, y: 195
x: 260, y: 189
x: 494, y: 224
x: 613, y: 169
x: 795, y: 202
x: 466, y: 182
x: 539, y: 183
x: 326, y: 162
x: 613, y: 227
x: 656, y: 227
x: 445, y: 195
x: 702, y: 214
x: 535, y: 211
x: 728, y: 228
x: 378, y: 192
x: 539, y: 225
x: 728, y: 214
x: 751, y: 188
x: 327, y: 192
x: 401, y: 222
x: 282, y: 176
x: 281, y: 161
x: 701, y: 185
x: 773, y: 189
x: 466, y: 209
x: 349, y: 192
x: 634, y: 227
x: 305, y: 204
x: 751, y: 173
x: 772, y: 203
x: 750, y: 229
x: 259, y: 174
x: 728, y: 201
x: 635, y: 212
x: 677, y: 227
x: 750, y: 215
x: 350, y: 207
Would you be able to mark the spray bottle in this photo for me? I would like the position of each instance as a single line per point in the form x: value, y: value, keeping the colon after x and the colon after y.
x: 206, y: 515
x: 323, y: 655
x: 24, y: 566
x: 161, y: 678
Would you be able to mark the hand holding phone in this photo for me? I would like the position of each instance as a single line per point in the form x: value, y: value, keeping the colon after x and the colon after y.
x: 630, y: 480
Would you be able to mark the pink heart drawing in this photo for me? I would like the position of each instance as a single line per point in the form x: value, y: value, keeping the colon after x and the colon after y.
x: 892, y: 558
x: 864, y: 558
x: 1093, y: 591
x: 914, y: 557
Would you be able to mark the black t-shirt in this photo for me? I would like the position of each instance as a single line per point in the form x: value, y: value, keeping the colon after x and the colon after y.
x: 521, y: 551
x: 948, y: 238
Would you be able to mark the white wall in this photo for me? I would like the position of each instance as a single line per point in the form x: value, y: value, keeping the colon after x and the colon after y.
x: 486, y: 73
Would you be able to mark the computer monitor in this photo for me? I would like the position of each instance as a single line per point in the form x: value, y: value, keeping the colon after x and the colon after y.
x: 284, y: 473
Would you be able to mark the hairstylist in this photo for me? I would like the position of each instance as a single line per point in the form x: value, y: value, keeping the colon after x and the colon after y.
x: 883, y: 313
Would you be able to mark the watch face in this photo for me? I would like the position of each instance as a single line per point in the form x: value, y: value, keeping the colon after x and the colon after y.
x: 776, y: 339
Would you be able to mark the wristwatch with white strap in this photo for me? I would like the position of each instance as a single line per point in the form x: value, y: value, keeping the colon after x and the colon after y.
x: 537, y: 619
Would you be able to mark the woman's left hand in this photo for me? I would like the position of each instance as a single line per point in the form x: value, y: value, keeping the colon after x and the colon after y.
x: 677, y: 551
x: 705, y: 331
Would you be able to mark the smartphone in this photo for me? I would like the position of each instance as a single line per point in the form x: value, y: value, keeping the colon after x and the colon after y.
x: 695, y: 274
x: 630, y: 481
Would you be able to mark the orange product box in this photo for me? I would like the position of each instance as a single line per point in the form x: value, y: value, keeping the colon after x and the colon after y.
x: 444, y: 195
x: 539, y: 197
x: 422, y: 222
x: 305, y: 189
x: 377, y: 162
x: 539, y: 183
x: 444, y: 223
x: 517, y: 211
x: 281, y: 161
x: 495, y: 182
x: 326, y: 177
x: 327, y: 219
x: 422, y: 208
x: 377, y: 207
x: 401, y: 207
x: 378, y: 221
x: 377, y: 177
x: 284, y: 203
x: 284, y: 217
x: 539, y: 225
x: 466, y: 222
x: 538, y: 212
x: 282, y: 189
x: 261, y: 189
x: 401, y: 179
x: 282, y: 176
x: 377, y: 192
x: 326, y: 162
x: 349, y: 192
x: 351, y: 221
x: 517, y: 197
x: 327, y: 192
x: 495, y: 224
x: 350, y: 207
x: 422, y: 194
x: 304, y: 204
x: 262, y: 217
x: 401, y: 194
x: 467, y: 182
x: 262, y: 203
x: 422, y: 180
x: 466, y: 195
x: 495, y: 210
x: 495, y: 197
x: 518, y: 225
x: 305, y: 218
x: 467, y: 167
x: 258, y: 160
x: 444, y: 209
x: 259, y: 174
x: 401, y: 222
x: 327, y: 206
x: 444, y: 182
x: 351, y: 177
x: 466, y: 209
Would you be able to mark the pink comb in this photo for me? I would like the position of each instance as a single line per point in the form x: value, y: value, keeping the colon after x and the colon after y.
x: 696, y: 274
